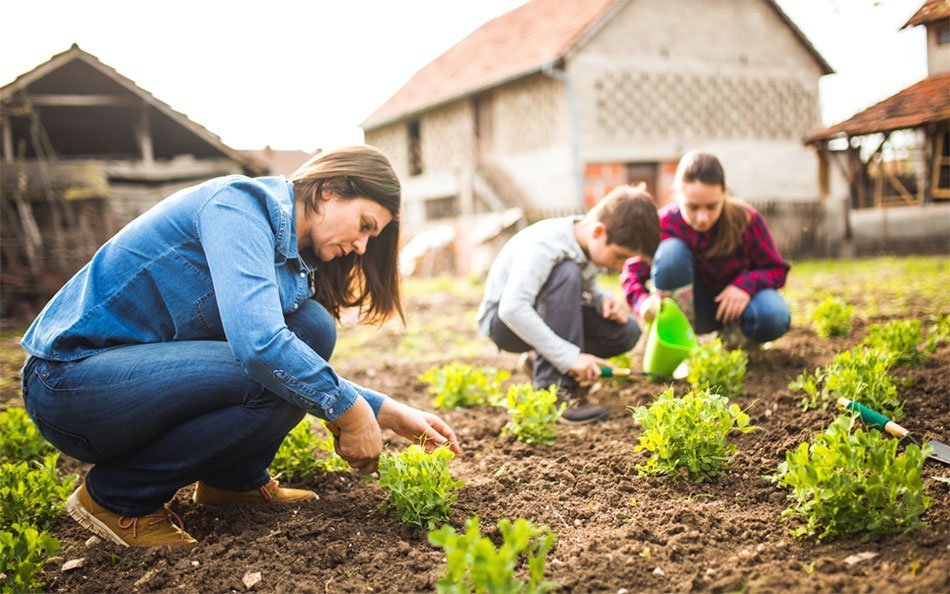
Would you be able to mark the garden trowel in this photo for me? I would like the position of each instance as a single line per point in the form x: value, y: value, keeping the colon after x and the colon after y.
x: 940, y: 452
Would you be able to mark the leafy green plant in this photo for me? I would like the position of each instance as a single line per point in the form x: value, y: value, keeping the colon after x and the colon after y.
x: 459, y: 385
x: 474, y: 564
x: 534, y: 413
x: 832, y: 317
x: 32, y: 492
x: 420, y: 488
x: 689, y: 433
x: 714, y: 366
x: 900, y: 338
x: 938, y: 334
x: 303, y: 455
x: 19, y: 438
x: 852, y: 481
x: 860, y: 374
x: 24, y: 551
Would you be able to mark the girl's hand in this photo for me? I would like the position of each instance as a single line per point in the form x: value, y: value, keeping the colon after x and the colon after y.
x: 358, y: 440
x: 732, y: 302
x: 417, y: 426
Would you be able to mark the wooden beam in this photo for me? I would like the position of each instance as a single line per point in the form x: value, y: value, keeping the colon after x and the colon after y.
x: 83, y: 100
x: 143, y: 134
x: 7, y: 140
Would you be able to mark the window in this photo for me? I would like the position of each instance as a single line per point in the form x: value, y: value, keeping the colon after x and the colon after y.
x: 943, y: 35
x: 415, y: 148
x: 442, y: 208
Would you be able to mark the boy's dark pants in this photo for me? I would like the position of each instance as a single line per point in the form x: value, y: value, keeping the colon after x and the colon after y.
x: 561, y: 306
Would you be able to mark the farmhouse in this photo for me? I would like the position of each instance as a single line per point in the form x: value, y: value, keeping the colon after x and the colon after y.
x: 544, y: 109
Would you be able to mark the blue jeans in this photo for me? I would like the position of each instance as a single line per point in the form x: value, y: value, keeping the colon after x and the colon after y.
x: 765, y: 318
x: 156, y: 417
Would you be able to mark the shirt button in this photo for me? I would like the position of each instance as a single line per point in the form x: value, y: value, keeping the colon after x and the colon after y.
x: 295, y: 306
x: 330, y: 410
x: 303, y: 274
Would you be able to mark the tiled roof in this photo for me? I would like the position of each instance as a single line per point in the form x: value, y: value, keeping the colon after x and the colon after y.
x: 926, y: 101
x: 932, y: 10
x: 518, y: 43
x: 510, y: 46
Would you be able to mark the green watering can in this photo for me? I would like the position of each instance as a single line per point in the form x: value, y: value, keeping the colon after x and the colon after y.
x: 670, y: 340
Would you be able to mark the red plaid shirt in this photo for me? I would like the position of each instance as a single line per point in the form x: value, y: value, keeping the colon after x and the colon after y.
x: 756, y: 265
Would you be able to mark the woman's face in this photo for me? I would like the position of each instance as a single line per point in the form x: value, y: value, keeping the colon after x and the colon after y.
x: 701, y: 204
x: 340, y: 225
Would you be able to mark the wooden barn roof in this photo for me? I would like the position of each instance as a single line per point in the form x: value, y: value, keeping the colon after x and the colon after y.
x: 9, y: 91
x: 918, y: 104
x: 523, y: 41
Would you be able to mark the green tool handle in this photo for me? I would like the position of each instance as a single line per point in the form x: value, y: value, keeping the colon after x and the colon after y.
x: 611, y: 372
x: 873, y: 418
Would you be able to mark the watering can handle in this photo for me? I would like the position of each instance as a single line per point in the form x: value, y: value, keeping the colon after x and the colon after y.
x: 873, y: 418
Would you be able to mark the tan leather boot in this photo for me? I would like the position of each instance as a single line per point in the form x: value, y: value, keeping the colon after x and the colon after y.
x: 271, y: 492
x: 163, y: 527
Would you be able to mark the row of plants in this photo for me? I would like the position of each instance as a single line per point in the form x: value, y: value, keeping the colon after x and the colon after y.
x: 32, y: 496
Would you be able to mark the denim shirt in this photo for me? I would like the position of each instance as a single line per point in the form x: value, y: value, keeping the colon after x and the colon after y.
x: 216, y: 261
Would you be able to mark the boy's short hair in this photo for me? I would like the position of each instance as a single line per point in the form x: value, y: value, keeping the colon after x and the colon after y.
x: 629, y: 213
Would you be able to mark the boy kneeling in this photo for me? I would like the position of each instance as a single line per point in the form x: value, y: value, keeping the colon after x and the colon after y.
x: 541, y: 293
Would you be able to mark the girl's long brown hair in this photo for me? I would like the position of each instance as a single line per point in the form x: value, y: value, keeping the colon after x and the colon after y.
x: 371, y: 281
x: 706, y: 168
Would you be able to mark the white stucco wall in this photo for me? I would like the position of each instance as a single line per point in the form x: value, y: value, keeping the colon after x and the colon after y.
x: 728, y: 76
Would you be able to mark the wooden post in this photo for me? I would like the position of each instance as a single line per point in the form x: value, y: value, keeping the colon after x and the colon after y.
x: 143, y: 133
x: 6, y: 125
x: 824, y: 181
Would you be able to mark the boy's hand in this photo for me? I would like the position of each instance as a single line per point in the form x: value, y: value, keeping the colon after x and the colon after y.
x: 614, y: 309
x: 649, y: 307
x: 586, y: 368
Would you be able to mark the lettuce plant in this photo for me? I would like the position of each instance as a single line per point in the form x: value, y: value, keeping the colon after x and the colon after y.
x: 860, y: 374
x: 458, y: 385
x: 900, y: 338
x: 32, y: 492
x: 420, y: 488
x: 851, y: 481
x: 303, y: 455
x: 19, y: 438
x: 474, y: 564
x: 714, y: 366
x: 832, y: 317
x: 24, y: 551
x: 534, y: 413
x: 689, y: 433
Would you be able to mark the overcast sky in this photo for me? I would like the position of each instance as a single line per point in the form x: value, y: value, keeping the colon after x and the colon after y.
x: 303, y: 74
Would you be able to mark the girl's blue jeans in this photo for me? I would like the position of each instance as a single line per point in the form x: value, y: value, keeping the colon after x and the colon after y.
x: 765, y: 318
x: 153, y: 418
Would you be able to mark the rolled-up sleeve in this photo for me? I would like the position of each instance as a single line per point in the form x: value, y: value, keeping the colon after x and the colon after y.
x: 238, y: 238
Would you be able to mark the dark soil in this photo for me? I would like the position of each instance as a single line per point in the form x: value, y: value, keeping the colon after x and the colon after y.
x: 722, y: 535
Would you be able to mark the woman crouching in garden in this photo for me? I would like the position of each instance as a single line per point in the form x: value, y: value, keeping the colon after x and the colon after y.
x: 199, y: 336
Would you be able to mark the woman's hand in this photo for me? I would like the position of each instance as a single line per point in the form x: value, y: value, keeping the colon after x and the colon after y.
x: 586, y: 368
x: 358, y: 440
x: 732, y: 302
x: 417, y: 426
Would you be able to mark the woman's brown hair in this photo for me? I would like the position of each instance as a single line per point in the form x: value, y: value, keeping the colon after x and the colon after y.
x: 370, y: 281
x: 706, y: 168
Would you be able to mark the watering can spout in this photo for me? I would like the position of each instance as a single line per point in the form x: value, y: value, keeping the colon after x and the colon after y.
x: 670, y: 340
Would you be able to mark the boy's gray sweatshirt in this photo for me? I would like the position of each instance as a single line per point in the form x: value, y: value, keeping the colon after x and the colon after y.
x: 515, y: 280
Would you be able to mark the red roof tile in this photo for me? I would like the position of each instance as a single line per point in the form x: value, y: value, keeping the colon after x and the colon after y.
x: 926, y: 101
x: 932, y: 10
x: 511, y: 46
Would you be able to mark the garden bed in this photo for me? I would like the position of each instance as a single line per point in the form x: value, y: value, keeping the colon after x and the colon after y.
x: 615, y: 530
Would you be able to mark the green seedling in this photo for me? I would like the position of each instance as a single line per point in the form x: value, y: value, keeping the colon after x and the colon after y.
x: 850, y: 481
x: 860, y: 374
x: 24, y: 551
x: 19, y: 438
x: 474, y: 564
x: 458, y: 385
x: 534, y: 413
x: 32, y: 492
x: 304, y: 455
x: 832, y: 317
x: 901, y: 339
x: 420, y: 488
x: 689, y: 433
x: 712, y: 366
